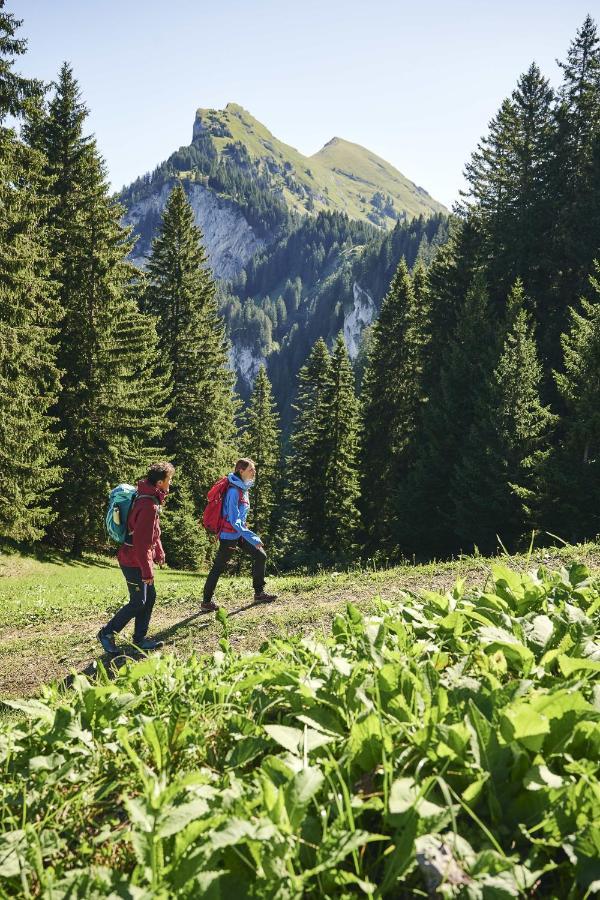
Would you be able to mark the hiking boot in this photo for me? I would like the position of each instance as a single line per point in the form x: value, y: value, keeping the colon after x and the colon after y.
x: 108, y: 641
x: 208, y: 606
x: 148, y: 644
x: 263, y: 597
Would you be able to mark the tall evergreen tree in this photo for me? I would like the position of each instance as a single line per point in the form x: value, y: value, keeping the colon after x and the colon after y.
x: 305, y: 467
x: 261, y: 441
x: 183, y: 540
x: 497, y: 483
x: 341, y: 476
x: 574, y: 478
x: 577, y: 173
x: 510, y: 196
x: 426, y: 522
x: 110, y: 409
x: 29, y: 316
x: 181, y: 294
x: 392, y: 395
x: 15, y: 90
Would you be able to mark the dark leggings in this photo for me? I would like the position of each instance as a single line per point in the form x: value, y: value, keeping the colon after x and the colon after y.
x: 141, y: 601
x: 226, y: 552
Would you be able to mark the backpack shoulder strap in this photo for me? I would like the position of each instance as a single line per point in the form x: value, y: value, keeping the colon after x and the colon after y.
x: 140, y: 497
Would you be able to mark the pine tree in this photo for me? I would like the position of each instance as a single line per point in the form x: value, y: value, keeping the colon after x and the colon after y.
x: 181, y: 294
x: 261, y: 442
x: 110, y: 409
x: 341, y: 476
x: 305, y: 468
x: 182, y: 538
x: 574, y: 474
x: 29, y: 316
x: 497, y: 483
x: 392, y: 396
x: 427, y: 524
x: 576, y: 175
x: 510, y: 197
x: 15, y: 91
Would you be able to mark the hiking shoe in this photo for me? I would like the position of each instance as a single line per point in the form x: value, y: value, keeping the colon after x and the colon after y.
x: 107, y: 641
x: 208, y: 606
x: 148, y: 644
x: 263, y: 597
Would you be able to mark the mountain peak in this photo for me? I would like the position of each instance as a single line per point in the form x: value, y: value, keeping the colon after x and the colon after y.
x: 332, y: 143
x: 341, y: 176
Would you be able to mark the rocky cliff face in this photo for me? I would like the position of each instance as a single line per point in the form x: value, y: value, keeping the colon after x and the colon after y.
x: 361, y: 315
x: 229, y: 239
x: 246, y: 361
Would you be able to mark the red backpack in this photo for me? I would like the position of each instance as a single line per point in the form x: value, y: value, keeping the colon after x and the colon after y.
x: 212, y: 518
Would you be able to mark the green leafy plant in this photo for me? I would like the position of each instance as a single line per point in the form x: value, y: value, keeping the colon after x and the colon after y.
x: 446, y: 744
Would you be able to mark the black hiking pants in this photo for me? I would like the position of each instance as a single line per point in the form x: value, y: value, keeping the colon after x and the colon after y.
x: 226, y: 551
x: 141, y: 602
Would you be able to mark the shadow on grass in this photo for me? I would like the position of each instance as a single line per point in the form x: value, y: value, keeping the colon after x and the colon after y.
x: 114, y: 663
x: 44, y: 554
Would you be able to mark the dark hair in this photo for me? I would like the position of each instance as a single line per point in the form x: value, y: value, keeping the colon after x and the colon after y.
x: 159, y: 471
x: 242, y: 464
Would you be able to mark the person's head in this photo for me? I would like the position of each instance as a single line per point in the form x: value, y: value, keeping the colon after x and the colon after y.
x: 160, y: 475
x: 245, y: 469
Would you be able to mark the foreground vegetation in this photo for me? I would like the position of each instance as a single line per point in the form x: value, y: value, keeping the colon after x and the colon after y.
x: 443, y: 741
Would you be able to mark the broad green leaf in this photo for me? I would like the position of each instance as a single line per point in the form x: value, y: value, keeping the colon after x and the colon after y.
x: 539, y: 631
x: 366, y: 741
x: 570, y: 664
x: 337, y: 848
x: 406, y: 795
x: 144, y: 668
x: 293, y: 739
x: 518, y: 654
x: 237, y: 830
x: 35, y: 709
x: 50, y: 763
x: 173, y: 819
x: 140, y: 814
x: 539, y: 777
x: 300, y: 791
x: 10, y: 865
x: 523, y: 724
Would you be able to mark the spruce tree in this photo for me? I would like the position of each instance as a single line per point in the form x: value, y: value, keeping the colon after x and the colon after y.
x: 15, y: 91
x: 110, y: 409
x: 29, y: 316
x: 183, y: 540
x: 261, y: 441
x: 576, y: 173
x: 509, y: 197
x: 392, y: 395
x: 307, y: 463
x: 341, y: 476
x: 497, y: 485
x: 426, y: 517
x: 181, y: 294
x: 574, y: 474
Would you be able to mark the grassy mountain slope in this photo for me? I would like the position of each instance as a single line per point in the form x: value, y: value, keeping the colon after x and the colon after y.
x: 342, y: 176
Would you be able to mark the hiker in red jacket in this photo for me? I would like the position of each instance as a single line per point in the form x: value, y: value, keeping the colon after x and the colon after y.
x: 142, y: 548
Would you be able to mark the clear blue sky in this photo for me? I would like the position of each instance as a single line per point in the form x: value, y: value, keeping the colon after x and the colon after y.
x: 416, y: 82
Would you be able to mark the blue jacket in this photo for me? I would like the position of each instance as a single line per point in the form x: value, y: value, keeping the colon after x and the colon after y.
x: 235, y: 510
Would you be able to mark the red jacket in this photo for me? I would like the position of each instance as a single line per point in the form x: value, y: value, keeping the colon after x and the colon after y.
x: 144, y: 532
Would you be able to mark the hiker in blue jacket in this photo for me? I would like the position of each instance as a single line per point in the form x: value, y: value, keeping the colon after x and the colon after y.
x: 235, y: 535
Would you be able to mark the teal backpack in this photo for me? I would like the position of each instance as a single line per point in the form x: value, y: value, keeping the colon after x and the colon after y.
x: 120, y: 500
